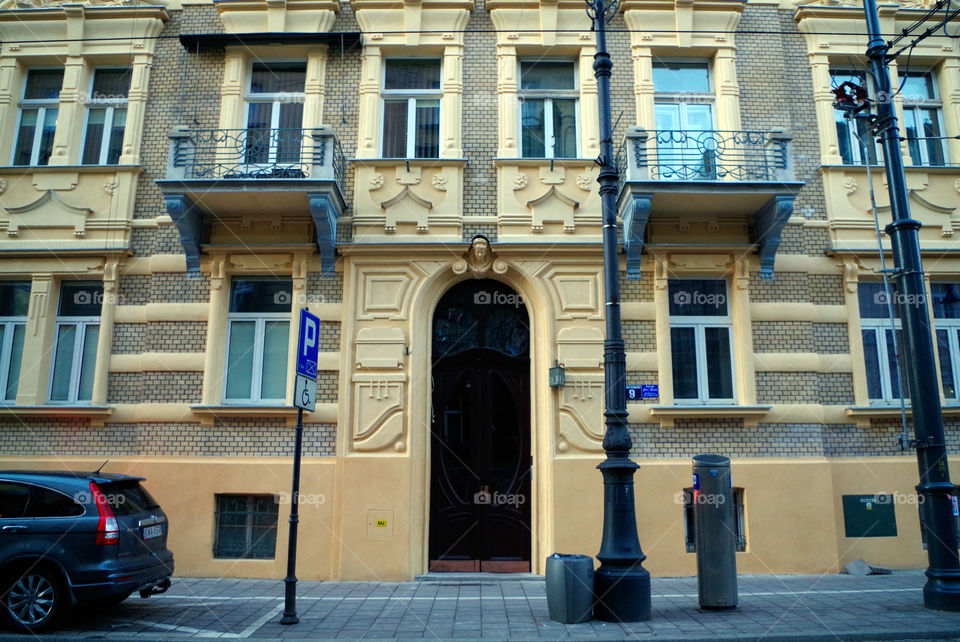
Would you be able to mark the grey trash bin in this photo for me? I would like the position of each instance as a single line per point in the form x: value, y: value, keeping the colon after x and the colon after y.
x: 570, y: 588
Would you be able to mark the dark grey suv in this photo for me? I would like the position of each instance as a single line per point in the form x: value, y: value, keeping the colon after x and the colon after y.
x: 68, y: 538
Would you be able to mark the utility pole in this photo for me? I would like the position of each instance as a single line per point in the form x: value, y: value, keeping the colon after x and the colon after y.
x: 942, y: 590
x: 621, y: 584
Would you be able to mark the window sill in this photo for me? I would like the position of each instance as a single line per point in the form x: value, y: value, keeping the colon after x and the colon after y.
x: 537, y: 162
x: 749, y: 414
x: 416, y: 162
x: 208, y: 414
x: 80, y: 169
x: 94, y: 414
x: 863, y: 414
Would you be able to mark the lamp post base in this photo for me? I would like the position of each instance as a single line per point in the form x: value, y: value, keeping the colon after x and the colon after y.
x: 942, y: 590
x: 621, y: 595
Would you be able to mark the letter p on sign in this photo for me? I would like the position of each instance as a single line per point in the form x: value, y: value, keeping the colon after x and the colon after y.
x: 308, y: 344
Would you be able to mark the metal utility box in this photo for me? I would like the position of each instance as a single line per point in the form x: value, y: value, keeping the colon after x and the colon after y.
x: 570, y: 588
x: 869, y: 515
x: 715, y: 532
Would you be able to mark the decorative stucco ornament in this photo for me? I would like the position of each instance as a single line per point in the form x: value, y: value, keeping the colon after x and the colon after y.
x: 478, y: 259
x: 585, y: 182
x: 956, y: 185
x: 520, y: 181
x: 850, y: 185
x: 3, y: 185
x: 440, y: 183
x: 376, y: 181
x: 110, y: 187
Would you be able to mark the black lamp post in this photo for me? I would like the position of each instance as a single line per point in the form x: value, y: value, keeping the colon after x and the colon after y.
x: 621, y: 584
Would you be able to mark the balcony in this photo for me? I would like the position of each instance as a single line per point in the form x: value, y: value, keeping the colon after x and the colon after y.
x: 736, y: 183
x: 222, y: 174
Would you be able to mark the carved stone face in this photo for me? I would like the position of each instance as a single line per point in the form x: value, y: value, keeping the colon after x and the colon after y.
x: 480, y: 248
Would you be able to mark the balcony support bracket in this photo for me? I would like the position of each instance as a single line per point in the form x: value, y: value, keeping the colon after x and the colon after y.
x: 767, y: 227
x: 324, y: 215
x: 635, y: 217
x: 189, y: 221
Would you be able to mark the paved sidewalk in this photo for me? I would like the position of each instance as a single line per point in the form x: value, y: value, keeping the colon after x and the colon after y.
x: 791, y: 607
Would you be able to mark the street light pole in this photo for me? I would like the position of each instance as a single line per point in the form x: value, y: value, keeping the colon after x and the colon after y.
x: 942, y: 590
x: 621, y: 584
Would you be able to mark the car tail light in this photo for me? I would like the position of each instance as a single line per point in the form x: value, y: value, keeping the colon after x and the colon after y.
x: 108, y: 530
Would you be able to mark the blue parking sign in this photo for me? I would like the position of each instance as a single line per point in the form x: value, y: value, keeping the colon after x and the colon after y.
x: 308, y: 345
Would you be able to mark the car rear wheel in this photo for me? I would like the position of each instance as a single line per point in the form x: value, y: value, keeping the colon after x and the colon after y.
x: 34, y: 600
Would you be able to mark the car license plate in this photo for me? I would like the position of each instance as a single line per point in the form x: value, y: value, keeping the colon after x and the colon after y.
x: 150, y: 532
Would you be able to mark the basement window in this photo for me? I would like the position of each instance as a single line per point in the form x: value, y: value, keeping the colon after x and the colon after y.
x: 246, y: 526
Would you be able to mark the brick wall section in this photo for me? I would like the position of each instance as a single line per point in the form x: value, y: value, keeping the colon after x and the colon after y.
x: 836, y: 388
x: 792, y: 240
x: 181, y: 336
x: 340, y: 106
x: 261, y: 437
x: 174, y: 287
x: 640, y: 336
x: 154, y: 387
x: 831, y: 338
x: 725, y: 437
x: 826, y: 289
x: 133, y: 290
x: 479, y: 116
x: 328, y: 336
x: 782, y: 336
x: 642, y: 378
x: 128, y: 338
x: 328, y: 386
x: 636, y: 290
x: 324, y: 290
x: 787, y: 387
x: 484, y: 229
x: 784, y: 286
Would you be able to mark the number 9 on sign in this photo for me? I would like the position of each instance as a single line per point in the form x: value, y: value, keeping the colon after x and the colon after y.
x: 305, y: 393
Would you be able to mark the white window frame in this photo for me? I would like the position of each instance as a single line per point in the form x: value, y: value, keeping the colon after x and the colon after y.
x: 699, y: 325
x: 880, y: 327
x: 41, y: 105
x: 684, y: 98
x: 276, y: 100
x: 548, y: 96
x: 951, y: 327
x: 915, y: 107
x: 256, y: 382
x: 9, y: 325
x: 852, y: 140
x: 111, y: 105
x: 412, y: 96
x: 76, y: 361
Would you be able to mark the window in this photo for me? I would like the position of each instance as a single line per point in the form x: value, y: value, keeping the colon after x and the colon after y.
x: 45, y: 502
x: 411, y: 109
x: 946, y: 315
x: 274, y: 130
x: 246, y: 526
x: 879, y: 342
x: 700, y: 326
x: 259, y: 328
x: 75, y: 353
x: 38, y: 117
x: 548, y: 109
x: 13, y: 499
x: 686, y: 146
x: 106, y: 117
x: 922, y: 119
x: 14, y: 300
x: 689, y: 520
x: 851, y: 131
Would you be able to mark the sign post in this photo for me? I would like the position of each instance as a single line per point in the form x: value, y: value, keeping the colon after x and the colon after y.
x: 304, y: 397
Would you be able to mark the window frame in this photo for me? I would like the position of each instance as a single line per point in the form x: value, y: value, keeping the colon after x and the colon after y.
x: 42, y: 105
x: 248, y: 525
x: 700, y: 324
x: 853, y: 143
x: 689, y: 144
x: 275, y: 100
x: 548, y: 96
x: 914, y: 108
x: 411, y: 96
x: 80, y: 323
x: 683, y: 98
x: 111, y: 105
x: 951, y: 327
x: 9, y: 324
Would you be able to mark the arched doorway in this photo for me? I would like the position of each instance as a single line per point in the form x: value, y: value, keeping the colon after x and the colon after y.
x: 480, y: 430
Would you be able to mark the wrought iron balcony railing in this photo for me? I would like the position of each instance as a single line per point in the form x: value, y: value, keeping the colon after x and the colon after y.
x: 249, y: 154
x: 673, y: 155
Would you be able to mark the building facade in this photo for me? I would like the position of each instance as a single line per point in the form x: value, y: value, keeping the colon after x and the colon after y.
x: 181, y: 178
